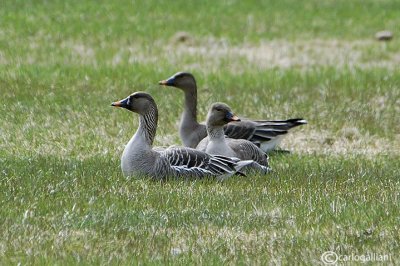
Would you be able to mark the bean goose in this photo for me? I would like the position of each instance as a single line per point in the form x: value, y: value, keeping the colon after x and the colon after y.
x: 264, y: 133
x: 217, y: 143
x: 139, y: 157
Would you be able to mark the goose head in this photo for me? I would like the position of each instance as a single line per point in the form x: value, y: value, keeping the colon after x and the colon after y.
x: 220, y: 114
x: 138, y: 102
x: 181, y: 80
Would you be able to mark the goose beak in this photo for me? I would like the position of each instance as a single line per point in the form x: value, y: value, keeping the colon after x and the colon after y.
x: 167, y: 82
x: 232, y: 117
x: 123, y: 103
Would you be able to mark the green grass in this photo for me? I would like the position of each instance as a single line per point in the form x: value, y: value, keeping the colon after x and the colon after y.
x: 64, y: 199
x: 90, y: 213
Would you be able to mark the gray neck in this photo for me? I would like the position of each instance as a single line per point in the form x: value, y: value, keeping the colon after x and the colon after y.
x: 216, y: 133
x: 190, y: 112
x: 138, y: 156
x: 148, y: 125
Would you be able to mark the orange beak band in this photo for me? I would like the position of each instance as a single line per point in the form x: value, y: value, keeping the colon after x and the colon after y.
x: 231, y: 117
x: 167, y: 82
x: 123, y: 103
x: 116, y: 104
x: 235, y: 118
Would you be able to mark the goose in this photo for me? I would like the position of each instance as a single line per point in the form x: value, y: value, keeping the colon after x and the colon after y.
x: 217, y: 143
x: 266, y: 134
x: 140, y: 159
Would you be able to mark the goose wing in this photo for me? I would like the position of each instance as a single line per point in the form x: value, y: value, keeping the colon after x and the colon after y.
x: 244, y: 129
x: 259, y: 131
x: 191, y: 162
x: 246, y: 150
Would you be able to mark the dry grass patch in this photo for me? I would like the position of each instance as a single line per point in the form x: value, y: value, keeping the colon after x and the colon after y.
x: 210, y: 54
x: 347, y: 141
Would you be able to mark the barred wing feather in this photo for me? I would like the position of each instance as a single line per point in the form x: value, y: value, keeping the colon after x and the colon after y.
x: 188, y: 161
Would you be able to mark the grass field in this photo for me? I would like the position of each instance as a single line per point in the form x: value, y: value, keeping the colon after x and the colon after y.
x: 63, y: 197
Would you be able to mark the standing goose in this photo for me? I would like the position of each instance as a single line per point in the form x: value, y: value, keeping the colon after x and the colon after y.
x: 217, y: 143
x: 139, y: 157
x: 264, y: 133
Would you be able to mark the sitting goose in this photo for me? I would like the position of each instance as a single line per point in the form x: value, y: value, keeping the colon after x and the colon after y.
x: 217, y: 143
x: 264, y: 133
x: 139, y: 157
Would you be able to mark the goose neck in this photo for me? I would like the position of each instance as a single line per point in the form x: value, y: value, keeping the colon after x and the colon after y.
x: 148, y: 125
x: 190, y: 112
x: 216, y: 133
